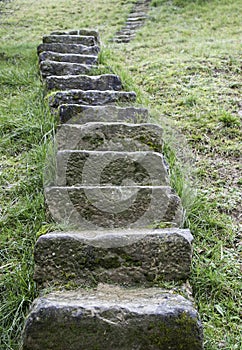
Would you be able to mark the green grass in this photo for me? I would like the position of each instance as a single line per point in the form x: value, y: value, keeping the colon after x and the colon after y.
x: 185, y: 66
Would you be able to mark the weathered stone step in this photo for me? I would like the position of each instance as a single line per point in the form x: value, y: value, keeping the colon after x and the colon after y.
x: 109, y: 168
x: 84, y: 82
x: 113, y: 318
x: 69, y: 48
x: 70, y: 39
x: 130, y: 257
x: 80, y: 114
x: 85, y: 32
x: 98, y: 207
x: 123, y: 39
x: 64, y: 57
x: 90, y: 97
x: 136, y: 18
x: 49, y: 68
x: 110, y: 136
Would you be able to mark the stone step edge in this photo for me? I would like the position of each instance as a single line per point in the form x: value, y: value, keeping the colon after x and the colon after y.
x: 101, y: 81
x: 113, y: 318
x: 90, y: 97
x: 75, y: 55
x: 80, y: 114
x: 127, y: 257
x: 99, y: 207
x: 69, y: 48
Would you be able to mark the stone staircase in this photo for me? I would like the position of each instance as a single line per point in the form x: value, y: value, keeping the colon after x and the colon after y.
x: 134, y: 21
x: 107, y: 180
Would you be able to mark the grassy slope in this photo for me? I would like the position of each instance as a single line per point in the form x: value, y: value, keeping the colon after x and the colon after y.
x: 189, y: 71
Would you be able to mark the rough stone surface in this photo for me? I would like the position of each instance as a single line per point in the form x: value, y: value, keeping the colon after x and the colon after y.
x: 90, y: 97
x: 110, y: 136
x: 129, y: 257
x: 113, y: 318
x: 70, y: 39
x: 49, y: 68
x: 80, y: 114
x: 64, y: 57
x: 110, y: 168
x: 84, y: 82
x: 69, y: 48
x: 85, y: 32
x: 99, y: 207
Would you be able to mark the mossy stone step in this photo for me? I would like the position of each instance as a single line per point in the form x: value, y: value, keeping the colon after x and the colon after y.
x: 84, y: 82
x: 110, y: 136
x: 69, y: 48
x: 70, y: 39
x: 110, y: 168
x: 130, y: 257
x: 81, y: 114
x: 101, y: 207
x: 49, y: 68
x: 90, y: 97
x: 113, y: 318
x: 64, y: 57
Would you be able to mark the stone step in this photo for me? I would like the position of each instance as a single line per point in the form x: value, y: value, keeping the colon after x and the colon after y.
x: 80, y: 114
x: 122, y: 39
x: 99, y: 207
x: 84, y: 82
x: 49, y: 68
x: 69, y: 48
x: 111, y: 317
x: 130, y: 257
x: 110, y: 136
x: 109, y: 168
x: 136, y: 19
x: 85, y: 32
x: 125, y: 32
x: 70, y: 39
x: 90, y: 97
x: 133, y: 26
x: 64, y: 57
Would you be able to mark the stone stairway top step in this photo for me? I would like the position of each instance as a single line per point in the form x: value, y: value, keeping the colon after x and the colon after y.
x: 113, y: 318
x: 110, y: 168
x: 90, y: 97
x: 49, y: 68
x: 130, y: 257
x: 84, y: 82
x: 85, y: 32
x: 102, y: 207
x: 69, y: 48
x: 64, y: 57
x: 80, y: 114
x: 110, y: 136
x: 70, y: 39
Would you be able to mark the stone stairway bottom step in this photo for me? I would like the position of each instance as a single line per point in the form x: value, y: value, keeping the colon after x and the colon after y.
x: 71, y: 58
x: 69, y: 48
x: 110, y: 168
x: 53, y: 68
x: 81, y: 114
x: 70, y: 39
x: 130, y: 257
x: 109, y: 136
x: 100, y: 207
x: 113, y: 318
x: 84, y: 82
x: 90, y: 97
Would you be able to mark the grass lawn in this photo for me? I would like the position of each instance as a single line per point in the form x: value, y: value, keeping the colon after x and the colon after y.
x: 185, y: 65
